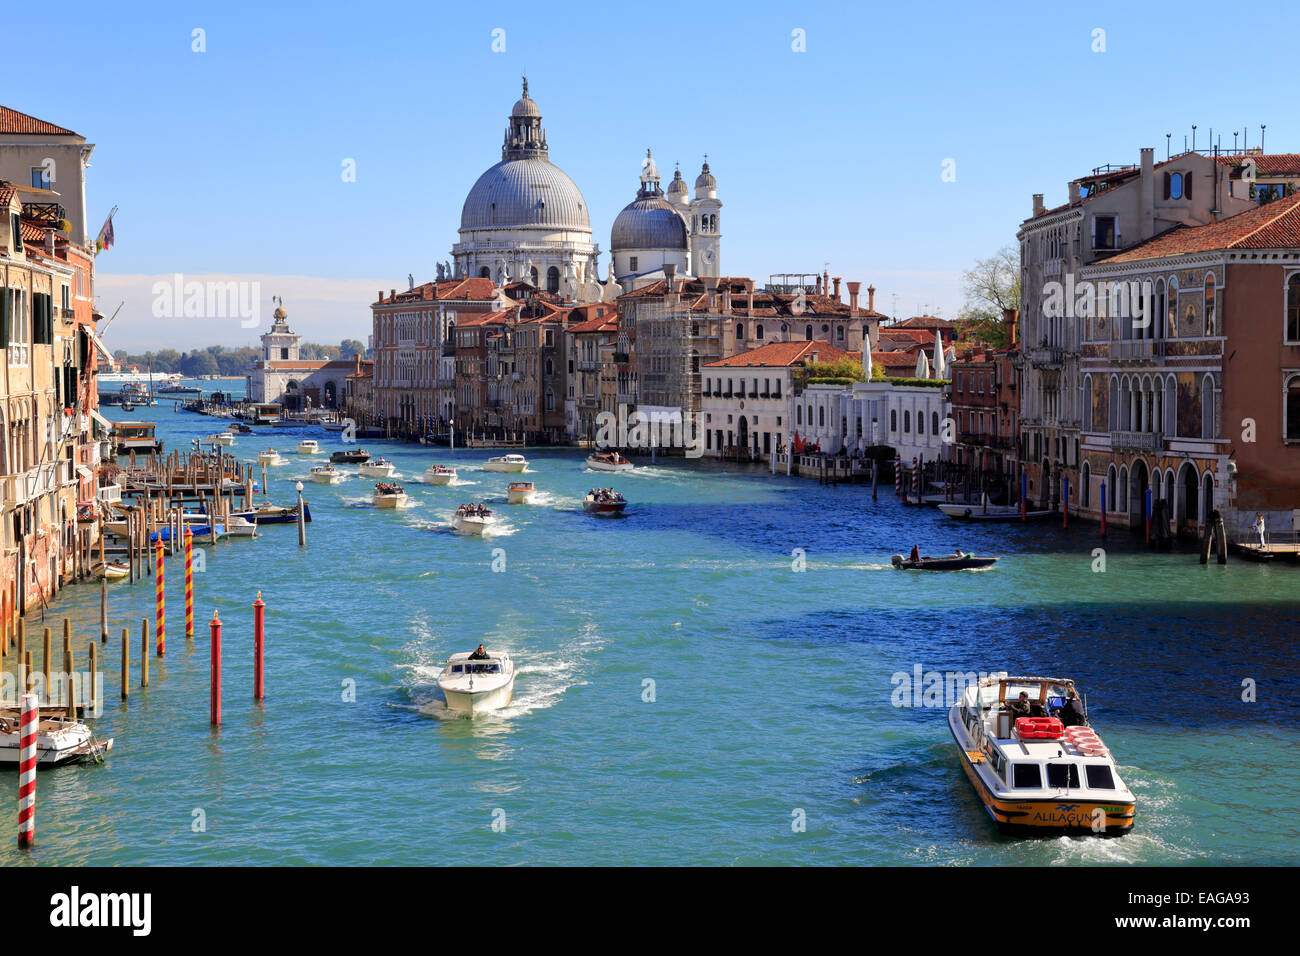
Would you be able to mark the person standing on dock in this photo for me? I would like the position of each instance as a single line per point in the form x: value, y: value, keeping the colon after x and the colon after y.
x: 1260, y: 527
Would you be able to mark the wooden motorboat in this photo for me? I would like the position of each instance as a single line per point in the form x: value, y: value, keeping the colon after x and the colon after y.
x: 608, y: 461
x: 510, y: 464
x: 325, y: 474
x: 113, y: 570
x: 308, y: 446
x: 353, y: 456
x: 377, y: 468
x: 238, y: 527
x: 604, y: 504
x: 269, y: 458
x: 957, y: 561
x: 59, y: 739
x: 389, y: 495
x: 1034, y: 774
x: 988, y: 512
x: 473, y: 519
x: 267, y: 513
x: 521, y: 492
x: 474, y: 686
x: 439, y: 475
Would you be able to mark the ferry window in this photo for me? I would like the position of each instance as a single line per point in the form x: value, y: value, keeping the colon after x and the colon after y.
x: 1062, y: 775
x: 1099, y: 777
x: 1026, y: 776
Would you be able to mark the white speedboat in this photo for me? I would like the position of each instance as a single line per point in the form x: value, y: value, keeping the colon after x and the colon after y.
x: 270, y: 457
x: 473, y: 519
x: 240, y: 527
x: 58, y: 739
x: 309, y: 446
x: 988, y: 512
x: 510, y: 464
x: 521, y: 492
x: 113, y: 570
x: 325, y: 474
x: 604, y: 504
x: 1043, y: 773
x: 608, y: 461
x: 377, y: 468
x: 389, y: 495
x: 439, y: 475
x: 474, y: 686
x: 225, y: 439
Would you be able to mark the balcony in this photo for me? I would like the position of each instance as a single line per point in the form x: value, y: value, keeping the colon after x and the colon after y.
x: 1136, y: 350
x: 588, y: 365
x: 1045, y: 356
x: 1136, y: 441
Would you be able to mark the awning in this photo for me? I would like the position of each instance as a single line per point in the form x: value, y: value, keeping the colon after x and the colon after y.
x: 112, y: 365
x: 108, y: 426
x: 85, y: 472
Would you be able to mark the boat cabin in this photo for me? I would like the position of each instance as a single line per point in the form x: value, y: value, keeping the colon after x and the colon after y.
x: 135, y: 437
x: 489, y: 666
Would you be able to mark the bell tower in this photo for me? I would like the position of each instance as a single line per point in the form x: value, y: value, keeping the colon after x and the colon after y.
x: 706, y: 231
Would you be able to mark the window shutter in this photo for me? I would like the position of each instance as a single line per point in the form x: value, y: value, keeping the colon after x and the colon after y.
x: 1187, y: 185
x: 4, y: 317
x: 1167, y: 186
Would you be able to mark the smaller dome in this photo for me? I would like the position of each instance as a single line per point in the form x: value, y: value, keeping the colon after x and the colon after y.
x: 649, y: 222
x: 705, y: 181
x: 525, y: 106
x: 677, y: 191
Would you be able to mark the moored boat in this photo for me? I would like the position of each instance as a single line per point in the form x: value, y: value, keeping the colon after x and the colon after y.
x: 113, y: 570
x: 510, y: 464
x: 59, y: 739
x: 473, y: 519
x: 521, y: 492
x: 325, y: 474
x: 308, y: 446
x: 608, y: 461
x: 439, y: 475
x: 472, y: 686
x: 987, y: 512
x: 267, y: 513
x: 377, y: 468
x: 389, y: 495
x: 240, y: 527
x: 1032, y: 772
x: 604, y: 502
x: 957, y: 561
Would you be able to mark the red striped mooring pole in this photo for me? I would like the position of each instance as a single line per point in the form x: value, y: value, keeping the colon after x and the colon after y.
x: 160, y: 600
x: 214, y: 673
x: 916, y: 481
x: 259, y: 647
x: 898, y: 476
x: 27, y: 770
x: 189, y: 583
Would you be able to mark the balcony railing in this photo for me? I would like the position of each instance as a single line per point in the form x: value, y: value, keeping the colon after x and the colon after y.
x: 1136, y: 350
x: 1136, y: 441
x: 1046, y: 356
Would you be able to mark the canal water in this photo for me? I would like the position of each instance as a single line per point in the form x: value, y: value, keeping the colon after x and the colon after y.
x: 709, y: 680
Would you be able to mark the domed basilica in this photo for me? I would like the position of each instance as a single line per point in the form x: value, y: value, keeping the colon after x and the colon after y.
x: 526, y: 220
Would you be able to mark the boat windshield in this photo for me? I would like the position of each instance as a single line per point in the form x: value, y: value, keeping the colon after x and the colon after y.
x: 477, y: 667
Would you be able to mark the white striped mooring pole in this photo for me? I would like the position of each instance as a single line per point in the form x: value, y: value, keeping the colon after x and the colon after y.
x: 27, y: 770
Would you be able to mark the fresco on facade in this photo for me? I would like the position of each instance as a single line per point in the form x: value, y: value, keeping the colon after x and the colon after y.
x: 1100, y: 404
x: 1189, y: 405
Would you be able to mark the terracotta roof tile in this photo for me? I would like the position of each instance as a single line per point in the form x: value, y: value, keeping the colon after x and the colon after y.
x: 12, y: 121
x: 1273, y: 225
x: 783, y: 355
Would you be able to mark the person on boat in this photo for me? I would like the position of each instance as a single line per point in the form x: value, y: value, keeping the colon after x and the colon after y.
x: 958, y: 553
x: 916, y: 553
x: 480, y: 654
x: 1071, y: 714
x: 1020, y: 706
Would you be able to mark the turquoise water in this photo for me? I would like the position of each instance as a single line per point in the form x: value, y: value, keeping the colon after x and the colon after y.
x: 771, y: 687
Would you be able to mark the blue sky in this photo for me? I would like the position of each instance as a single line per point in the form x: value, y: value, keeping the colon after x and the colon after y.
x: 228, y: 161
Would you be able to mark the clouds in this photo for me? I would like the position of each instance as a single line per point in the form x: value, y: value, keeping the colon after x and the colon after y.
x: 188, y: 311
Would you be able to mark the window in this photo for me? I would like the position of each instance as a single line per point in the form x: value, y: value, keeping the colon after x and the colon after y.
x: 1104, y: 235
x: 1173, y: 185
x: 807, y: 333
x: 1026, y: 776
x: 907, y: 421
x: 1292, y: 410
x: 798, y: 414
x: 740, y: 331
x: 1098, y: 776
x: 821, y: 416
x: 1293, y: 308
x: 1210, y: 328
x: 1063, y: 775
x: 1172, y: 318
x: 631, y: 264
x: 893, y: 419
x: 934, y: 423
x: 758, y: 332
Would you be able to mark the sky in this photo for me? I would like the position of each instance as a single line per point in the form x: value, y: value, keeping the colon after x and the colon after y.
x: 893, y: 144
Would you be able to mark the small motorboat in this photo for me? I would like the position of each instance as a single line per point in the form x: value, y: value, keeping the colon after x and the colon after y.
x: 377, y: 468
x: 988, y: 512
x: 510, y: 464
x: 608, y: 461
x: 225, y: 439
x: 474, y: 686
x: 439, y: 475
x: 957, y: 561
x: 521, y: 492
x: 353, y: 456
x: 59, y: 740
x: 239, y: 428
x: 267, y: 513
x: 606, y: 504
x: 325, y: 474
x: 270, y: 457
x: 473, y: 519
x: 308, y: 446
x: 239, y: 527
x: 1034, y: 774
x: 113, y: 570
x: 389, y: 495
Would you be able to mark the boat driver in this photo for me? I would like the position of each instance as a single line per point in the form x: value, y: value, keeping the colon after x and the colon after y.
x: 1020, y: 707
x: 1071, y: 713
x: 480, y: 654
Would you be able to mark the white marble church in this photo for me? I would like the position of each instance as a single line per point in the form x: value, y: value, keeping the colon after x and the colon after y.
x: 281, y: 376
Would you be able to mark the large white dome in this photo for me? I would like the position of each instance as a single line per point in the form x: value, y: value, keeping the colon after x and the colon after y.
x: 525, y: 192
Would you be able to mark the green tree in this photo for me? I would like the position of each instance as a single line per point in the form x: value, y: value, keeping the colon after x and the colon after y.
x: 990, y: 286
x: 351, y: 347
x: 199, y: 363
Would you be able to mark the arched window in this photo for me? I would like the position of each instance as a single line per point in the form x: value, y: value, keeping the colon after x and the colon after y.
x: 920, y: 423
x: 758, y: 332
x: 550, y: 367
x: 485, y: 273
x: 934, y: 423
x: 550, y: 400
x: 807, y: 333
x: 1208, y: 425
x: 893, y: 419
x: 533, y: 277
x: 1293, y: 308
x: 1211, y: 328
x: 1173, y: 308
x: 1176, y: 186
x: 798, y: 414
x: 1291, y: 412
x: 1085, y: 485
x: 821, y: 416
x: 907, y: 421
x: 839, y: 333
x: 740, y: 331
x: 552, y: 279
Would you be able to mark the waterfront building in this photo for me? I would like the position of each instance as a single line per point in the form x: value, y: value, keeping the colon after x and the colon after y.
x: 1110, y: 210
x: 984, y: 395
x: 47, y: 163
x: 592, y: 343
x: 1197, y: 399
x: 359, y: 393
x: 281, y: 376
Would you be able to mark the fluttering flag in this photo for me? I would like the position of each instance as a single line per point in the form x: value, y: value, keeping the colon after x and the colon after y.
x: 105, y: 238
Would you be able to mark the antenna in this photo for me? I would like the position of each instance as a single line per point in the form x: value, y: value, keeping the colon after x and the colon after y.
x: 1261, y: 137
x: 1167, y: 147
x: 1193, y: 137
x: 1234, y: 140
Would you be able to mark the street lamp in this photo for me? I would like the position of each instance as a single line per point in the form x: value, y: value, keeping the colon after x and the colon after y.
x: 302, y: 518
x: 451, y: 425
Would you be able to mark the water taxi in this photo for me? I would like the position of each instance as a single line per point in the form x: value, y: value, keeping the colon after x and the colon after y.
x: 473, y: 519
x: 521, y: 492
x: 473, y: 686
x: 1034, y: 774
x: 608, y: 461
x: 224, y: 439
x: 138, y: 437
x: 308, y: 446
x: 510, y: 464
x: 353, y: 456
x: 59, y: 739
x: 267, y: 513
x: 269, y: 458
x: 957, y: 561
x: 325, y: 474
x: 439, y: 475
x: 606, y: 504
x: 389, y: 495
x: 377, y: 468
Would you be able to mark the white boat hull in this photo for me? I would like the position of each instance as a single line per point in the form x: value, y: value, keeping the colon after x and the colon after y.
x: 53, y: 747
x: 517, y: 497
x: 439, y: 478
x: 334, y: 479
x: 390, y: 501
x: 377, y: 471
x: 477, y: 701
x: 606, y: 466
x: 472, y: 525
x: 505, y: 467
x: 270, y: 460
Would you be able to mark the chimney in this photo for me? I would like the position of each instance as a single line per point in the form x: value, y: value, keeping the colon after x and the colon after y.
x: 1074, y: 192
x: 871, y: 298
x: 392, y: 293
x: 1147, y: 194
x: 836, y: 293
x: 1039, y: 208
x: 817, y: 286
x: 826, y: 282
x: 855, y: 288
x: 1011, y: 319
x: 380, y: 295
x: 670, y: 273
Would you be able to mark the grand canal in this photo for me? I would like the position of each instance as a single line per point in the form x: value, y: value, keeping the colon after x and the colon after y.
x: 685, y: 693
